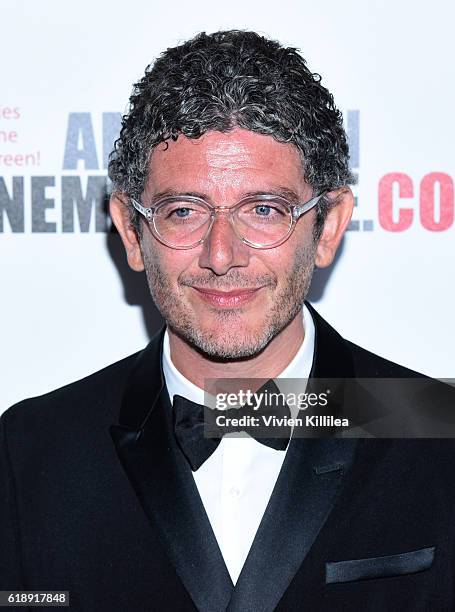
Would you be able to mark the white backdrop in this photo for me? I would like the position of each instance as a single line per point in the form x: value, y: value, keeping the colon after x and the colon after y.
x: 68, y: 304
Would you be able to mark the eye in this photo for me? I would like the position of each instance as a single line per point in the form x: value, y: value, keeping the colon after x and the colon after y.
x: 261, y: 213
x: 181, y: 212
x: 266, y: 210
x: 175, y: 211
x: 263, y: 210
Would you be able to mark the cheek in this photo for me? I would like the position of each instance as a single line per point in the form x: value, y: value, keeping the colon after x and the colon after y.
x: 283, y: 260
x: 169, y: 262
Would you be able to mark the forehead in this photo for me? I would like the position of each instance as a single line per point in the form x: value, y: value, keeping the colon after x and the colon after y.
x: 219, y: 161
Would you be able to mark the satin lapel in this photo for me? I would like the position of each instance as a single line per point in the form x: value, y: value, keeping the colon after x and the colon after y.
x: 312, y: 476
x: 164, y: 484
x: 306, y: 490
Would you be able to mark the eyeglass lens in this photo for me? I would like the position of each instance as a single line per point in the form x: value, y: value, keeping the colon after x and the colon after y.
x: 182, y: 223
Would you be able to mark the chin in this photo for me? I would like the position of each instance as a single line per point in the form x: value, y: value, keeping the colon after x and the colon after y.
x: 228, y: 341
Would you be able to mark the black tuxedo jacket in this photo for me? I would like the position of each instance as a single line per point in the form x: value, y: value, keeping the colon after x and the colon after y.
x: 97, y: 499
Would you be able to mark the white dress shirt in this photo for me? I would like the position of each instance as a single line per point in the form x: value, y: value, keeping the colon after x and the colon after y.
x: 237, y: 480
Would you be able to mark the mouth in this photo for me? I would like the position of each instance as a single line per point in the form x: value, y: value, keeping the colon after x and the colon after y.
x: 227, y: 299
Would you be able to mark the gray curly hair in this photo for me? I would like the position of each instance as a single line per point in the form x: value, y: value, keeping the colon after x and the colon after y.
x: 215, y: 82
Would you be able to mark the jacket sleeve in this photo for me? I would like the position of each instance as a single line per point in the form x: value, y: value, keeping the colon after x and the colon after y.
x: 10, y: 557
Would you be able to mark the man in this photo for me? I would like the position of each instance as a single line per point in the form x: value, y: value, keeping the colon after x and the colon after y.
x: 231, y: 182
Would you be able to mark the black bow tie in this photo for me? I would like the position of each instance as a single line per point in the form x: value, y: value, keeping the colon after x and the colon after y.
x: 190, y: 426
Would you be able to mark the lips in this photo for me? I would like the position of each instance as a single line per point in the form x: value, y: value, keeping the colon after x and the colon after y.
x: 227, y: 299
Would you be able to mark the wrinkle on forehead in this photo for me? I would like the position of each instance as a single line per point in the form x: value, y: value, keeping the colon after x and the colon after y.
x: 233, y: 158
x: 236, y: 147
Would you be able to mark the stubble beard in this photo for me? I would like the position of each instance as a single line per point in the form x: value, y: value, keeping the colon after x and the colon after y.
x: 227, y: 344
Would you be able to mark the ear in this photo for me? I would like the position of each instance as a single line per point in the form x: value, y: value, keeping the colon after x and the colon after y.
x: 335, y: 225
x: 120, y: 214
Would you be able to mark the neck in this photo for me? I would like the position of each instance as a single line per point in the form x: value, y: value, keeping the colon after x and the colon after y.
x: 269, y: 363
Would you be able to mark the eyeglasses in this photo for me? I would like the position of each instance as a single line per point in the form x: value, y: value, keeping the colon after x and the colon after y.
x: 261, y: 221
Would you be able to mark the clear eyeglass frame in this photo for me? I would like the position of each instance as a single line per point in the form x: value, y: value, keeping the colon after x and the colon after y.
x: 295, y: 211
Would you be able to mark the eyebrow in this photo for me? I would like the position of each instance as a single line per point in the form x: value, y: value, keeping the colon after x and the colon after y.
x: 282, y: 192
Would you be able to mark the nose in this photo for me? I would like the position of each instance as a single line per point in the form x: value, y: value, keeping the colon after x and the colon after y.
x: 222, y: 249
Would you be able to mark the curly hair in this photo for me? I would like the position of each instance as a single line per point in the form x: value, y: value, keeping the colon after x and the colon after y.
x: 215, y: 82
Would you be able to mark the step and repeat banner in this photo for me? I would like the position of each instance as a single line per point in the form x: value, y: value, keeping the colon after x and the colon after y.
x: 69, y: 303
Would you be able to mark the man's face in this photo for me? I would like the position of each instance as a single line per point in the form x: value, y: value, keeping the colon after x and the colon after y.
x: 224, y: 297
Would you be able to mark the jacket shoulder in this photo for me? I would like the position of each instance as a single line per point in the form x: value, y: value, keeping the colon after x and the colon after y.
x: 346, y: 359
x: 370, y: 365
x: 85, y: 399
